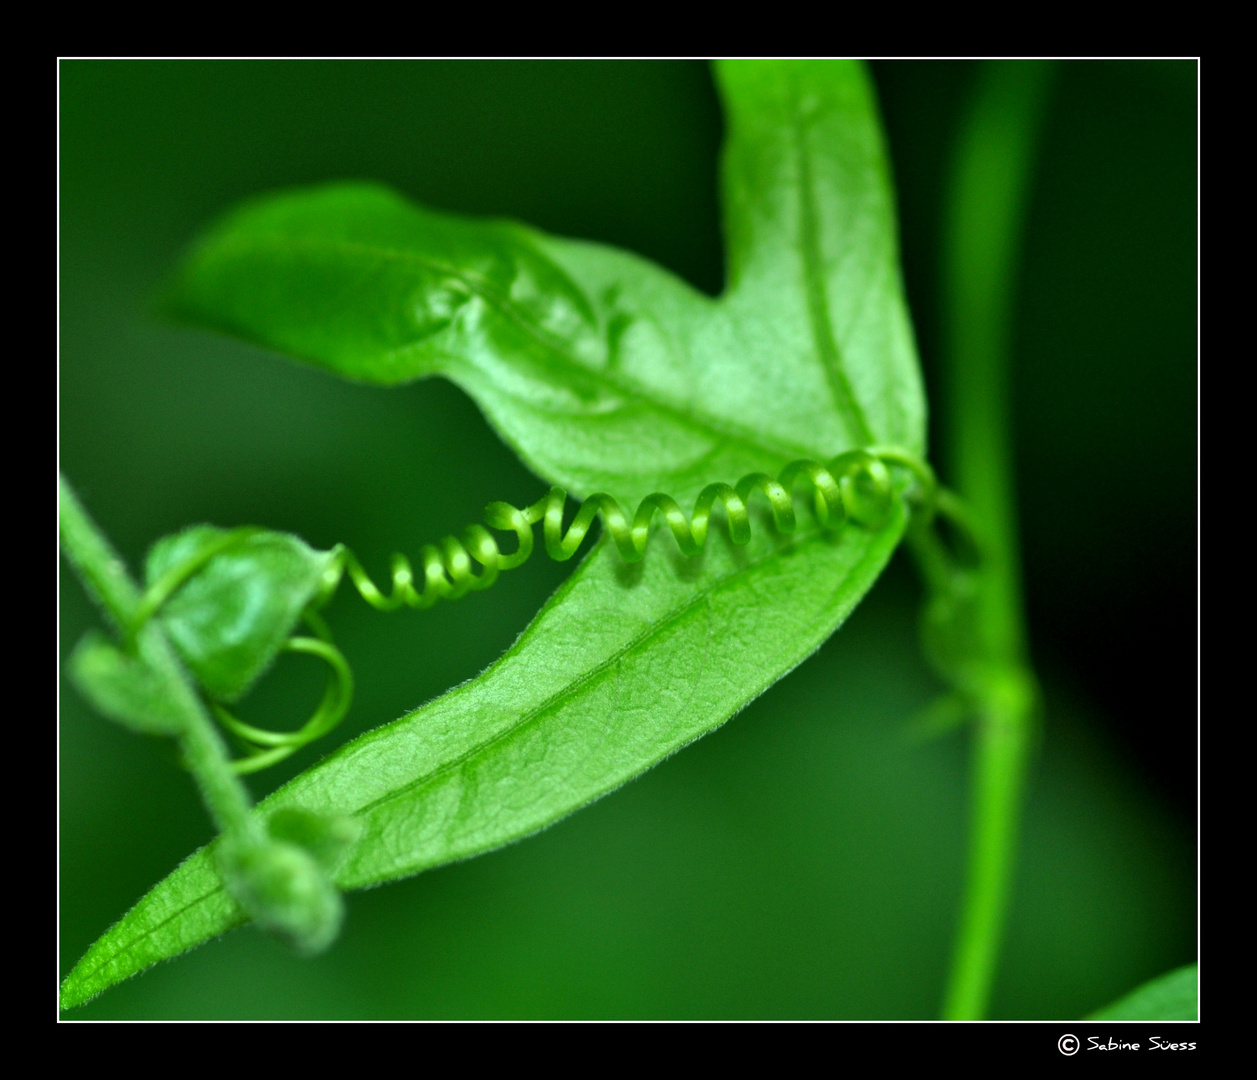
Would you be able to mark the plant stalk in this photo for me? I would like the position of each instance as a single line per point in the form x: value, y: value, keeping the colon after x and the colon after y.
x: 981, y: 251
x: 105, y: 577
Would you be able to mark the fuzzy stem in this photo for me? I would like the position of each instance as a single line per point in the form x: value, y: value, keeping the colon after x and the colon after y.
x: 105, y: 577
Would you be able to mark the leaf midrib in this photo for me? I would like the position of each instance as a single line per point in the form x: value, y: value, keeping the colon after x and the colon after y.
x: 546, y: 707
x: 831, y: 355
x: 713, y: 427
x: 573, y: 688
x: 144, y: 936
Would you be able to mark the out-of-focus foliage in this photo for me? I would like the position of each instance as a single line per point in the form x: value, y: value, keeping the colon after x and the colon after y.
x: 1171, y: 997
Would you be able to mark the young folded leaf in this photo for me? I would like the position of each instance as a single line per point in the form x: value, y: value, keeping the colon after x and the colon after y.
x: 125, y: 688
x: 229, y: 619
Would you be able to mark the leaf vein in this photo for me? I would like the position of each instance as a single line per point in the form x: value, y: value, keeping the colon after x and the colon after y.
x: 814, y: 288
x: 148, y: 932
x: 544, y: 708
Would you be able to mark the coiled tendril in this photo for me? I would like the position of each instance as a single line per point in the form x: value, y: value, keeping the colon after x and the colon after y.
x: 266, y: 748
x: 855, y: 486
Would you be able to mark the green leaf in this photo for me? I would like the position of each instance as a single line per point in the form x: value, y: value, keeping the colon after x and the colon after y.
x: 623, y: 666
x: 126, y: 688
x: 603, y: 371
x: 1169, y: 997
x: 814, y: 285
x: 229, y: 620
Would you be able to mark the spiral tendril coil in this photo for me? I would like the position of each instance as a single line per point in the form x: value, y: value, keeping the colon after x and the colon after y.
x: 855, y: 486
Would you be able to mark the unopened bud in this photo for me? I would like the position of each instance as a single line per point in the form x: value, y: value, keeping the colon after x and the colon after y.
x: 285, y: 890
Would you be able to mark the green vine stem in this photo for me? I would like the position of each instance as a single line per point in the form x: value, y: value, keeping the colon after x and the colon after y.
x: 277, y: 882
x: 984, y: 223
x: 105, y: 577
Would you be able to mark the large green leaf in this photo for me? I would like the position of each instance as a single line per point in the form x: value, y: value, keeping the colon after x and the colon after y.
x: 622, y: 667
x: 605, y: 373
x: 602, y: 370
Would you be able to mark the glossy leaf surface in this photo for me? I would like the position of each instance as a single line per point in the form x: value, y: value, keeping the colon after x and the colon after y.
x: 602, y: 370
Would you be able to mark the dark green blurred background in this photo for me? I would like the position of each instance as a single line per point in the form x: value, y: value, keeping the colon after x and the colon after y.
x: 805, y: 860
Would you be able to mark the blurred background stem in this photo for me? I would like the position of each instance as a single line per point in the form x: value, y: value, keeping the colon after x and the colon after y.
x: 984, y: 226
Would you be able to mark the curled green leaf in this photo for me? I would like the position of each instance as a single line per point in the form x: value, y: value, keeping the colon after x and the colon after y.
x: 125, y: 688
x: 606, y: 374
x: 623, y: 666
x: 229, y: 618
